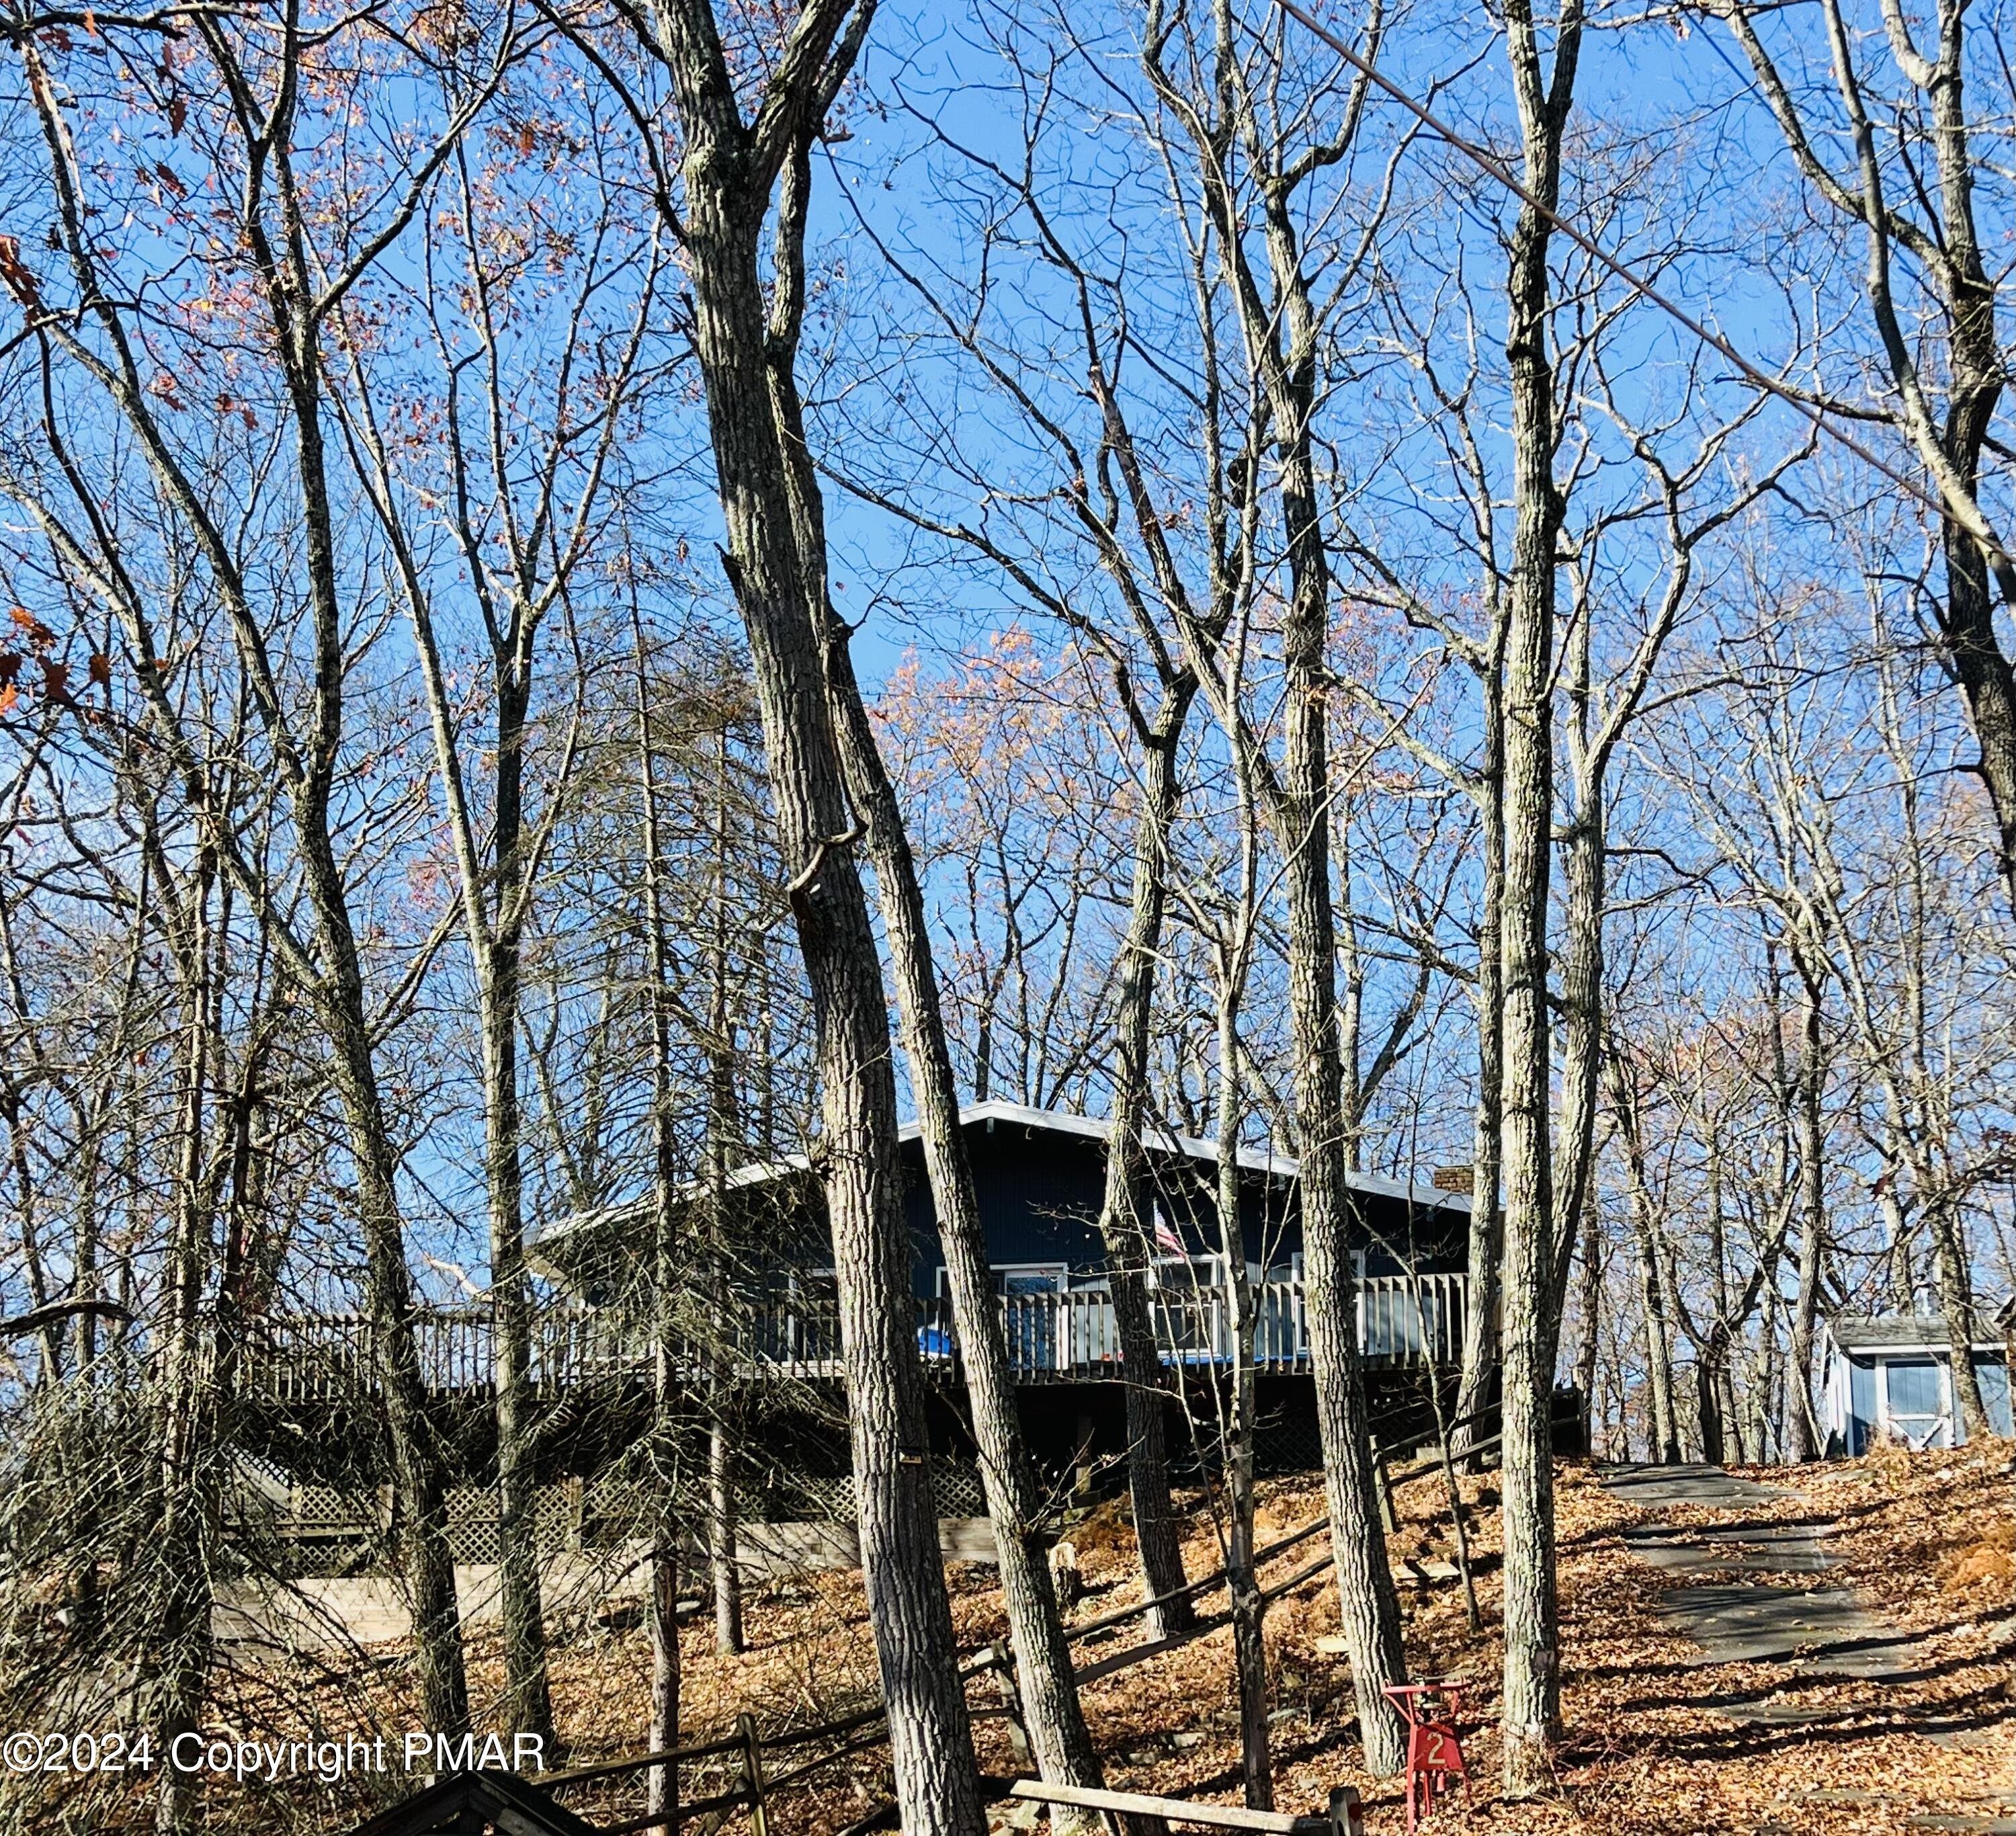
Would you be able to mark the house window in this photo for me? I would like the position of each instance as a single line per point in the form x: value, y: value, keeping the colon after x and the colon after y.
x: 1189, y: 1313
x: 1188, y: 1273
x: 812, y: 1290
x: 1282, y: 1331
x: 1914, y: 1396
x: 808, y: 1327
x: 1021, y: 1278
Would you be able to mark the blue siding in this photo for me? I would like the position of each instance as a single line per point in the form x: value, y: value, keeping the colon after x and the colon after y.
x: 1862, y: 1405
x: 1041, y: 1190
x: 1993, y: 1373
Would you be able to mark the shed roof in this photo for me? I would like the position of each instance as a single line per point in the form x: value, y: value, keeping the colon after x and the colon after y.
x: 1897, y: 1332
x: 478, y: 1801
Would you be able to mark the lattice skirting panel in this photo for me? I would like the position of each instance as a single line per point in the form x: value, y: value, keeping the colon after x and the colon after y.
x: 616, y: 1506
x: 316, y: 1529
x: 1293, y: 1446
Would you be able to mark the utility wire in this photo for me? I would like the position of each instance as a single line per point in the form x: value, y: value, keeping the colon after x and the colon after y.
x: 1496, y: 168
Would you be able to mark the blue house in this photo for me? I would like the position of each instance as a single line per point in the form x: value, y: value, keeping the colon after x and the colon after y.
x: 1890, y: 1377
x: 1040, y: 1176
x: 774, y: 1333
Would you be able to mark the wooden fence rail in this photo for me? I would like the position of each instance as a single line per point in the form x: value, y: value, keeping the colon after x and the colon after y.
x: 1345, y: 1817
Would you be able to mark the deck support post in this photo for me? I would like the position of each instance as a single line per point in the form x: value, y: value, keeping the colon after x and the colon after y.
x: 1388, y: 1521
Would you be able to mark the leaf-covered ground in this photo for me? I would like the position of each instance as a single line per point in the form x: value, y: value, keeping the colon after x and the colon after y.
x: 1927, y: 1540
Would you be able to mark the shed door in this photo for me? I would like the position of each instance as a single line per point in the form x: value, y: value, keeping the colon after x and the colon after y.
x: 1915, y: 1402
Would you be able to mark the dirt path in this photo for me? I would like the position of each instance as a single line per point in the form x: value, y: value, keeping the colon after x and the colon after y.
x: 1816, y: 1656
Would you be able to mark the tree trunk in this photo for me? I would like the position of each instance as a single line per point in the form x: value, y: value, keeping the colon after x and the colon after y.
x: 661, y: 1792
x: 528, y: 1705
x: 1717, y: 1417
x: 1736, y: 1437
x: 1978, y: 369
x: 492, y: 919
x: 1763, y: 1377
x: 1898, y: 1278
x: 723, y: 1523
x: 729, y: 171
x: 1249, y: 1639
x: 1722, y: 1437
x: 1481, y: 1341
x: 418, y: 1463
x: 1664, y: 1432
x: 1368, y: 1605
x: 1971, y: 347
x: 284, y: 295
x: 1125, y: 1215
x: 1801, y: 1442
x: 1531, y: 1713
x: 724, y: 1123
x: 1052, y: 1714
x: 180, y: 1640
x: 1707, y: 1418
x: 1591, y: 1309
x: 1249, y: 1636
x: 1956, y: 1309
x: 1282, y: 336
x: 1581, y: 958
x: 661, y: 1784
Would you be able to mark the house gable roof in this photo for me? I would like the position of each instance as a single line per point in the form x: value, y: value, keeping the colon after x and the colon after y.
x: 1058, y: 1121
x: 1054, y: 1121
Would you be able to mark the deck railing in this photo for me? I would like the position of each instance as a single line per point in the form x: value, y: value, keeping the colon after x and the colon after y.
x: 1063, y: 1337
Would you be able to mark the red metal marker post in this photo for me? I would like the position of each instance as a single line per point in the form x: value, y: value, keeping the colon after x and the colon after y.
x: 1434, y: 1752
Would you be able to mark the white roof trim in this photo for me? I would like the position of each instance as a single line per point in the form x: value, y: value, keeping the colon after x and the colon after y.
x: 756, y: 1173
x: 1282, y: 1166
x: 1056, y: 1121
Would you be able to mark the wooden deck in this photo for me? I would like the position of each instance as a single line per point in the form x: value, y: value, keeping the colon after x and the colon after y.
x: 1052, y: 1338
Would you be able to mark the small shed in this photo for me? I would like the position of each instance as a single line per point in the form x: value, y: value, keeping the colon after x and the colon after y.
x: 1889, y: 1377
x: 478, y: 1804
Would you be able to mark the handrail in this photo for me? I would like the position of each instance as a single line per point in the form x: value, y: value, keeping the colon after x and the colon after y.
x: 1060, y: 1337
